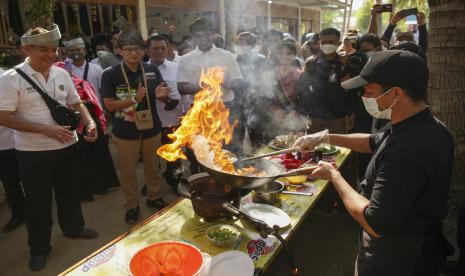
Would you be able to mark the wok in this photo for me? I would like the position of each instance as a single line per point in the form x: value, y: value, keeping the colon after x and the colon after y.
x: 271, y: 172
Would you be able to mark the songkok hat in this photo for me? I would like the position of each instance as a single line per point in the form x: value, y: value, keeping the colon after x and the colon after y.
x: 130, y: 37
x: 47, y: 38
x: 75, y: 43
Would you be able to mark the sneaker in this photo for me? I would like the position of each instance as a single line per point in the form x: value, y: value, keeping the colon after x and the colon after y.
x: 37, y: 262
x: 132, y: 215
x: 87, y: 234
x: 157, y: 203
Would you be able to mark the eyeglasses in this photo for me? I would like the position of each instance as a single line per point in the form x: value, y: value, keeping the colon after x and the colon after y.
x: 130, y: 50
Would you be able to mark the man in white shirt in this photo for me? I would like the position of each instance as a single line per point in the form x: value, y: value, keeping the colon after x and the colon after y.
x: 205, y: 56
x: 46, y: 151
x: 90, y: 72
x: 157, y: 47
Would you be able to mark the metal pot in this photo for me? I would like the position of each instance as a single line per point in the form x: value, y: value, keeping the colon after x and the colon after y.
x: 268, y: 193
x: 208, y: 196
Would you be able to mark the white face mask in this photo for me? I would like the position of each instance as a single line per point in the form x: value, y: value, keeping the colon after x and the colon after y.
x: 371, y: 105
x: 242, y: 50
x: 369, y: 54
x: 328, y: 49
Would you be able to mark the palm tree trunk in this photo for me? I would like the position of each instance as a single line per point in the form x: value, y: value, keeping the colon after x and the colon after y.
x: 446, y: 89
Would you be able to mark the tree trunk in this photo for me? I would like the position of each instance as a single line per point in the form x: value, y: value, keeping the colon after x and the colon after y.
x: 446, y: 88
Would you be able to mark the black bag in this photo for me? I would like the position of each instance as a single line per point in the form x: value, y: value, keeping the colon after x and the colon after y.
x: 63, y: 115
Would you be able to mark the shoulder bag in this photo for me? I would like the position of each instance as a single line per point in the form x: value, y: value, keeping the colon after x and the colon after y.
x: 63, y: 115
x: 143, y: 118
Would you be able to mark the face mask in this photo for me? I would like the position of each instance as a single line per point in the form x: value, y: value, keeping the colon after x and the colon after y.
x: 242, y: 50
x: 76, y: 56
x: 371, y: 105
x: 369, y: 54
x: 328, y: 49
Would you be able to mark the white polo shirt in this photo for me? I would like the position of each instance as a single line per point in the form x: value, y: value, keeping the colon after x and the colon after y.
x: 94, y: 75
x: 18, y: 95
x: 191, y: 64
x: 169, y: 118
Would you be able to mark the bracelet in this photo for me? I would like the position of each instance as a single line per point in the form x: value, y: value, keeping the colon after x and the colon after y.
x: 90, y: 123
x: 134, y: 100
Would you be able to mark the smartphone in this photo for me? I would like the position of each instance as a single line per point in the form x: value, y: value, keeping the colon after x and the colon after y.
x: 407, y: 12
x: 386, y: 8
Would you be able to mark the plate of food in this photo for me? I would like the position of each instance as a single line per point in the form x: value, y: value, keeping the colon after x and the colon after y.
x: 167, y: 258
x: 283, y: 141
x: 327, y: 149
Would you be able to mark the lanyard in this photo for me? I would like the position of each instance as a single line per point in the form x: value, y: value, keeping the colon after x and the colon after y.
x: 129, y: 86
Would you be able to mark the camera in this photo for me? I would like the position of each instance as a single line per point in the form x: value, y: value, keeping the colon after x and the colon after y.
x: 386, y: 8
x: 355, y: 63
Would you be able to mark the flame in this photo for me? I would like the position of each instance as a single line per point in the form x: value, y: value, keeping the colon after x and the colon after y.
x: 209, y: 118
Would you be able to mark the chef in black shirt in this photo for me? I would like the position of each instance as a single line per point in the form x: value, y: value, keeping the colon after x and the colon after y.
x: 403, y: 197
x: 129, y: 90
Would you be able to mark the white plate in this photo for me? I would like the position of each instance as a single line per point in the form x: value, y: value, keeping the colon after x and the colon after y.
x: 231, y: 263
x: 269, y: 214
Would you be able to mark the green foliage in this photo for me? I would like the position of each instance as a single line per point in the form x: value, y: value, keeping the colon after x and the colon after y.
x: 332, y: 19
x: 39, y: 13
x: 362, y: 15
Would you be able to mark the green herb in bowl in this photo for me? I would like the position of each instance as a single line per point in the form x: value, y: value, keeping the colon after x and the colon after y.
x: 222, y: 235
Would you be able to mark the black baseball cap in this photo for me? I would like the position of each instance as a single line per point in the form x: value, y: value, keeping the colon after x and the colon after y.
x: 400, y: 68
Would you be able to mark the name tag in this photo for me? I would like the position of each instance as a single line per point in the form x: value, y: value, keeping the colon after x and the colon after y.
x: 150, y: 75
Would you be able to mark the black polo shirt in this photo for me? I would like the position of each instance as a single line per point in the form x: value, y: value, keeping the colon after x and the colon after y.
x: 407, y: 183
x: 113, y: 85
x: 319, y: 90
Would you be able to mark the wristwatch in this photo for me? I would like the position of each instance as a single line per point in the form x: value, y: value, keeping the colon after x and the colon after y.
x: 133, y: 98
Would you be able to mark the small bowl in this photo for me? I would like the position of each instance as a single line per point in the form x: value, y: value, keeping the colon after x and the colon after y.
x: 267, y: 193
x: 232, y: 235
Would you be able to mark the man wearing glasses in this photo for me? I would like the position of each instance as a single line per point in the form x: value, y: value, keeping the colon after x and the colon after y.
x: 127, y: 89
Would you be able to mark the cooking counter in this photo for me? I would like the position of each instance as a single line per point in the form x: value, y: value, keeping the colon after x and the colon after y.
x: 178, y: 222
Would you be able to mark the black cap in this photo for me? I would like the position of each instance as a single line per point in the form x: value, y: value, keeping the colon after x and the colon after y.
x: 394, y: 67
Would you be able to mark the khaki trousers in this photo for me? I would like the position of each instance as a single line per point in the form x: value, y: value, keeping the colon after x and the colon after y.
x: 128, y: 152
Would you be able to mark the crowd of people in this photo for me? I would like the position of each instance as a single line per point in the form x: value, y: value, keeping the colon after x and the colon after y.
x: 133, y: 92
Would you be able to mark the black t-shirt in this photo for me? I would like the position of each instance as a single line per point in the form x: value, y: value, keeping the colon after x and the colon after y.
x: 319, y: 90
x: 407, y: 183
x: 114, y: 86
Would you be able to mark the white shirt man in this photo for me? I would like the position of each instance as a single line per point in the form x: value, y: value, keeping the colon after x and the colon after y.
x: 169, y: 118
x: 47, y: 154
x: 76, y: 51
x: 191, y: 64
x: 94, y: 74
x: 18, y: 95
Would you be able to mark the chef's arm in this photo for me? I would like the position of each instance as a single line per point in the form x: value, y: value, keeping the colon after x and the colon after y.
x: 353, y: 201
x: 358, y: 142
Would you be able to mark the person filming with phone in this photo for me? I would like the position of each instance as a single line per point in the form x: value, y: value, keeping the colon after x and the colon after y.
x: 402, y: 37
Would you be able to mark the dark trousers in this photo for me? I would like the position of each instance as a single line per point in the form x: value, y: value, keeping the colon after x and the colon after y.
x: 9, y: 177
x: 42, y: 172
x: 461, y: 229
x: 171, y: 167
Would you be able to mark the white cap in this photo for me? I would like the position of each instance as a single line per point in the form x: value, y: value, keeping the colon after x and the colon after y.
x: 49, y: 38
x: 75, y: 43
